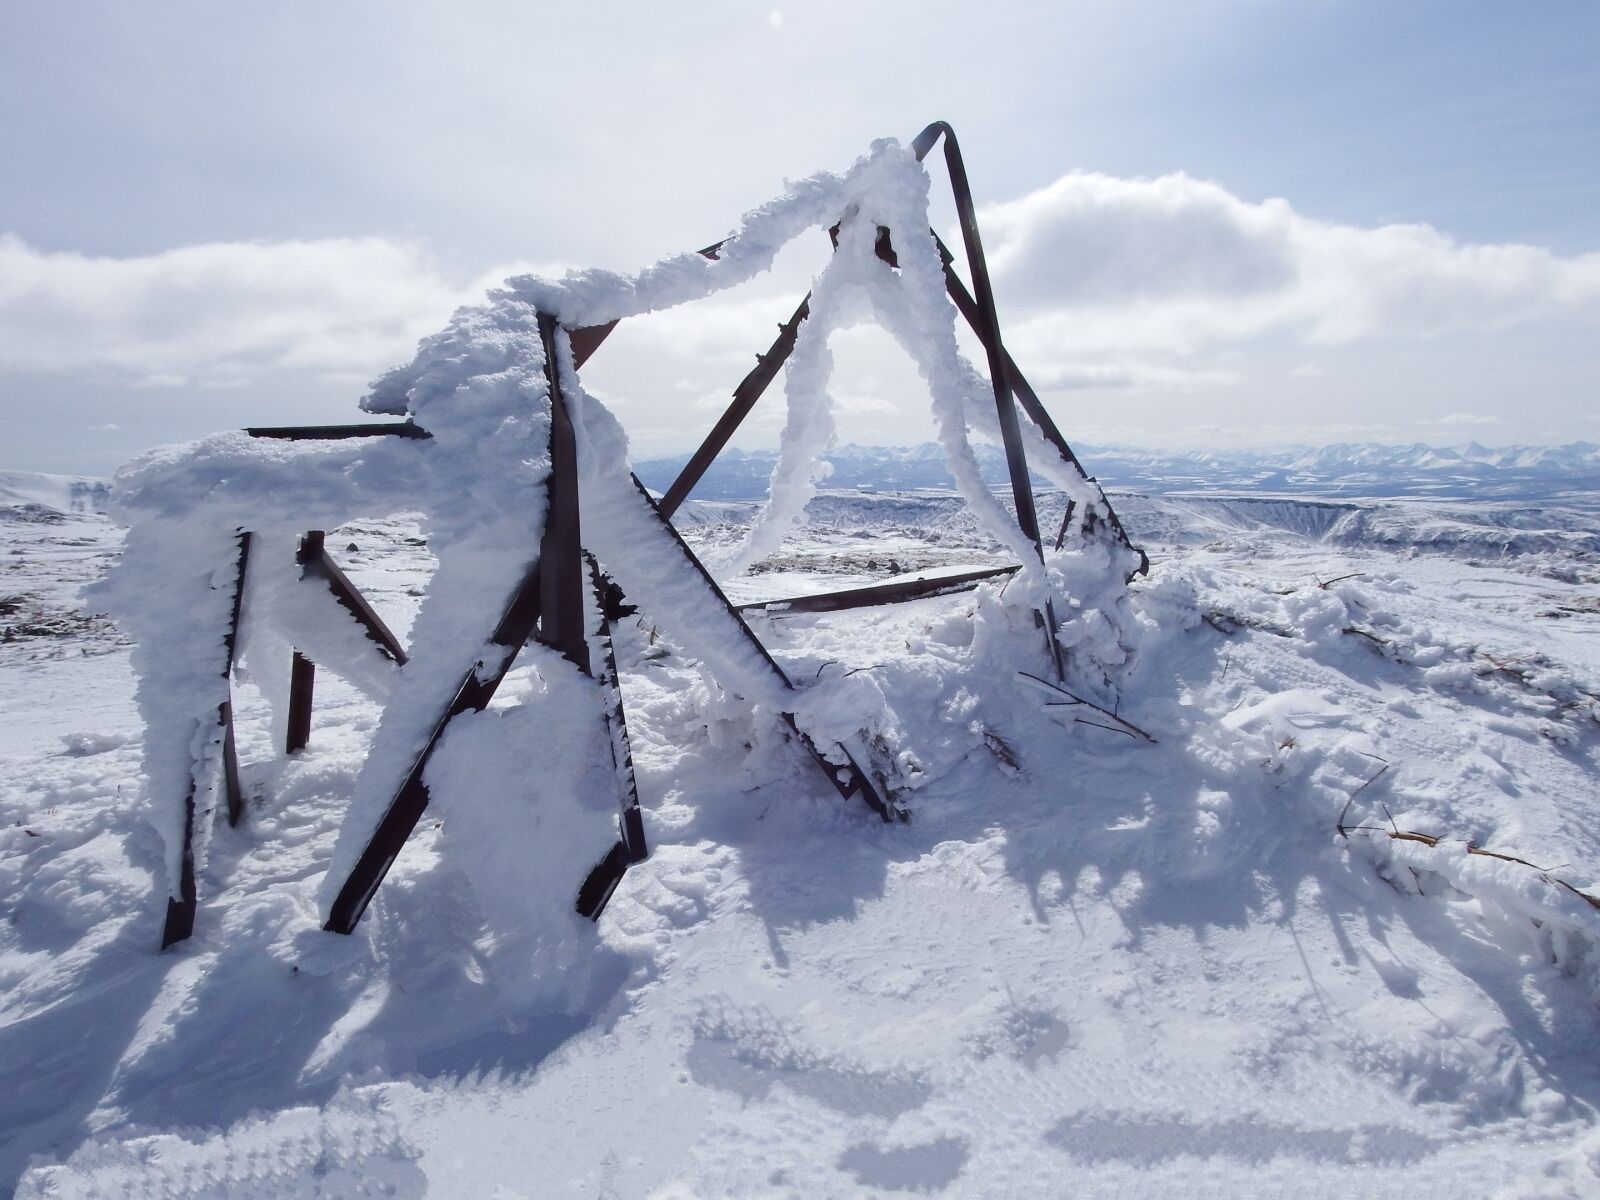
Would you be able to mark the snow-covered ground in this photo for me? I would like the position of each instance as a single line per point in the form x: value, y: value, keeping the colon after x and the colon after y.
x: 1090, y: 965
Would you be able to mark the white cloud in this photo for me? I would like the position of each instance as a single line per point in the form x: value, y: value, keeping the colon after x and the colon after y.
x: 1128, y: 374
x: 1458, y: 420
x: 1095, y: 264
x: 220, y: 312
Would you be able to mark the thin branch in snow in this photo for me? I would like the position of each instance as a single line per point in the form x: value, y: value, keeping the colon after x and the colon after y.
x: 1340, y: 825
x: 1073, y: 699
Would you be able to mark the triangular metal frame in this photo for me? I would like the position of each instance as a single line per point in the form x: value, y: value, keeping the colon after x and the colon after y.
x: 565, y: 601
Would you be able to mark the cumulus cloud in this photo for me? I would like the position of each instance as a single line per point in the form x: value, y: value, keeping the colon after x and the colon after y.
x: 1104, y: 283
x: 220, y: 311
x: 1095, y: 263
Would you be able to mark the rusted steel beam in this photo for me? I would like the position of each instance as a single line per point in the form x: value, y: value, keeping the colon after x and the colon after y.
x: 1033, y: 406
x: 302, y: 691
x: 230, y: 749
x: 587, y: 340
x: 597, y: 888
x: 472, y: 694
x: 880, y: 593
x: 315, y: 561
x: 744, y: 399
x: 561, y: 576
x: 988, y: 331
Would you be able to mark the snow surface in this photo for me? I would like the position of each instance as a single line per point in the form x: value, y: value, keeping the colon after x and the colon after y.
x: 1289, y: 890
x: 1090, y: 966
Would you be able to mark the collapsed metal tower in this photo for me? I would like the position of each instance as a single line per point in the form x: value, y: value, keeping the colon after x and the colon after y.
x: 567, y: 602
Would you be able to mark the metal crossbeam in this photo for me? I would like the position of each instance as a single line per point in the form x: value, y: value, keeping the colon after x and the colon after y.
x: 333, y: 433
x: 316, y: 562
x: 875, y: 594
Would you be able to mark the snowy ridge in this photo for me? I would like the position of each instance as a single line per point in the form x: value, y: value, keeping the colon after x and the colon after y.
x: 1565, y: 536
x: 1359, y: 471
x: 63, y: 493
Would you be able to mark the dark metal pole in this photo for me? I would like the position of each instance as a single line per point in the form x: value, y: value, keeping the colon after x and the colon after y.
x: 179, y: 921
x: 316, y: 562
x: 999, y: 364
x: 880, y: 593
x: 1031, y: 404
x: 744, y: 399
x: 597, y: 888
x: 302, y: 688
x: 560, y: 547
x: 230, y: 750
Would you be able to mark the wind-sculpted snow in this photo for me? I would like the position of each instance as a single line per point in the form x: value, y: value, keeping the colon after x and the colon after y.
x: 1089, y: 966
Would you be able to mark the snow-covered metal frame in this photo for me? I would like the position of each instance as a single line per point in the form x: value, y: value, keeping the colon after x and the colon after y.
x: 548, y: 604
x: 477, y: 380
x: 979, y: 313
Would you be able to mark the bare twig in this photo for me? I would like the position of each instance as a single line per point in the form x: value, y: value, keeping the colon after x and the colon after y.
x: 1343, y: 811
x: 1326, y: 583
x: 1001, y: 749
x: 1371, y: 637
x: 1395, y: 833
x: 1073, y: 699
x: 1097, y: 725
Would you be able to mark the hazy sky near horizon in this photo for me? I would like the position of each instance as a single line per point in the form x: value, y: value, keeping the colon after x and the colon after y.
x: 1212, y: 222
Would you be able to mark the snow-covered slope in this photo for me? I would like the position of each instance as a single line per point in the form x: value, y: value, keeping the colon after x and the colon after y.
x: 1090, y: 966
x: 64, y: 493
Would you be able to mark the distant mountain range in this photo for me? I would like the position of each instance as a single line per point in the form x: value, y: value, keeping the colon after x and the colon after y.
x: 1355, y: 470
x: 1342, y: 471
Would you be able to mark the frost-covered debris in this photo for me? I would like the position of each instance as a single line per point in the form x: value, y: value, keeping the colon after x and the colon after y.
x: 1101, y: 968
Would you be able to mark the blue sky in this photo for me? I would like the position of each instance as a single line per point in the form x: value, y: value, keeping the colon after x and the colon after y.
x: 211, y: 214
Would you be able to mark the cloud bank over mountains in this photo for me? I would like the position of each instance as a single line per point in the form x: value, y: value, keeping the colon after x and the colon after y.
x: 1097, y: 266
x: 1159, y: 285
